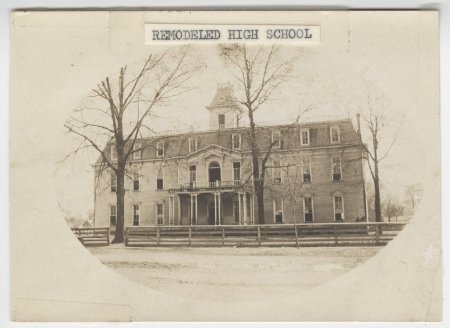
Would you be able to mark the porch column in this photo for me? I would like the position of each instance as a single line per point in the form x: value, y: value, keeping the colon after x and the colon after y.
x: 170, y: 209
x: 179, y: 210
x: 196, y: 208
x: 253, y: 208
x: 192, y: 207
x: 245, y: 207
x: 239, y: 212
x: 215, y: 208
x: 252, y: 204
x: 219, y: 198
x: 173, y: 209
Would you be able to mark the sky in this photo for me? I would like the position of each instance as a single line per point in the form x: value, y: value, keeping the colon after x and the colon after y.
x: 69, y: 54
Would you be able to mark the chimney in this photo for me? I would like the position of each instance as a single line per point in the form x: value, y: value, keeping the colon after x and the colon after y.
x: 358, y: 119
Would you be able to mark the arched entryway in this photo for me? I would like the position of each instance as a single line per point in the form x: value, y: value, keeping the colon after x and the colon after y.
x: 214, y: 172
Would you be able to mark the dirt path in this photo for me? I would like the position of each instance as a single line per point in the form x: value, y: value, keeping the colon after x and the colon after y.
x: 232, y: 274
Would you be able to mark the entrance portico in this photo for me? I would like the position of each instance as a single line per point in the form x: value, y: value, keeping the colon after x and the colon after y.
x: 214, y: 207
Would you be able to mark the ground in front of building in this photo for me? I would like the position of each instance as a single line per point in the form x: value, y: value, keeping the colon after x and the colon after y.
x: 232, y: 274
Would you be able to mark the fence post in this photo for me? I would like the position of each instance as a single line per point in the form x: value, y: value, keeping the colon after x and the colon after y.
x: 335, y: 235
x: 190, y: 235
x: 223, y: 235
x: 296, y: 236
x: 107, y: 231
x: 126, y: 236
x: 157, y: 236
x: 377, y: 234
x: 259, y: 234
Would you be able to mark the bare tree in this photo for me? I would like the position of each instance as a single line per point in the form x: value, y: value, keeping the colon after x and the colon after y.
x: 376, y: 122
x: 120, y: 114
x: 413, y: 194
x: 392, y: 208
x: 388, y: 207
x: 296, y: 171
x: 258, y: 72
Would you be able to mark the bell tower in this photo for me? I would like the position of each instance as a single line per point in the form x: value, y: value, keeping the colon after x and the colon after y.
x: 224, y: 111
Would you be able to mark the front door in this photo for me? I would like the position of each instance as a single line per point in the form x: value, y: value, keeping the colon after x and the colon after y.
x: 211, y: 215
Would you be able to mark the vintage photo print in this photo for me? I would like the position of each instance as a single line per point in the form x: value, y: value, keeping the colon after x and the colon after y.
x: 225, y: 166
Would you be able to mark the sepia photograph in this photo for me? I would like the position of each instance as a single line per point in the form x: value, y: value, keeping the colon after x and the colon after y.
x: 225, y: 166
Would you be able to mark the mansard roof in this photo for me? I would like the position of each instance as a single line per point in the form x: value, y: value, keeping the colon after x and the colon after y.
x: 177, y: 145
x: 223, y: 97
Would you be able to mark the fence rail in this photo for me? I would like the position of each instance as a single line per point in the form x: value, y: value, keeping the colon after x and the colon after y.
x: 92, y: 236
x: 281, y: 235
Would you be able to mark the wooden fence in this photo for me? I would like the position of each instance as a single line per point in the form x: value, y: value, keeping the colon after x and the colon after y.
x: 281, y: 235
x: 92, y: 236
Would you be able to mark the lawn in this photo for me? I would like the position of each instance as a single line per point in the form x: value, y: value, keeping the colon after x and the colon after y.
x: 232, y: 274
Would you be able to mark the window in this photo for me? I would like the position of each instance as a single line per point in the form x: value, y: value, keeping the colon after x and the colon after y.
x: 335, y: 134
x: 137, y: 151
x: 160, y: 149
x: 159, y: 213
x: 278, y: 210
x: 236, y: 171
x: 113, y: 215
x: 306, y: 172
x: 193, y: 143
x: 136, y: 181
x: 304, y: 137
x: 113, y: 153
x: 276, y: 140
x: 159, y: 184
x: 221, y: 121
x: 236, y: 141
x: 336, y: 168
x: 113, y: 183
x: 136, y: 214
x: 192, y: 175
x: 308, y: 209
x: 276, y: 172
x: 338, y: 208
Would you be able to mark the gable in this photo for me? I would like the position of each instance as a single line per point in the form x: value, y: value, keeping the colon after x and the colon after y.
x: 213, y: 151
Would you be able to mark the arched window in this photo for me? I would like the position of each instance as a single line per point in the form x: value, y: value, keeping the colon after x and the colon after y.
x: 214, y: 172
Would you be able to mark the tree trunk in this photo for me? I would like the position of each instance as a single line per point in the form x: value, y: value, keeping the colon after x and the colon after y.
x: 376, y: 182
x: 258, y: 183
x: 260, y: 202
x: 120, y: 201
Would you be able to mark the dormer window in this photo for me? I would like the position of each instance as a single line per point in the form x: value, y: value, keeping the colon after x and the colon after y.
x: 276, y: 139
x: 236, y: 141
x: 335, y: 134
x: 221, y: 121
x: 193, y: 143
x: 304, y: 137
x: 137, y: 151
x: 159, y: 149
